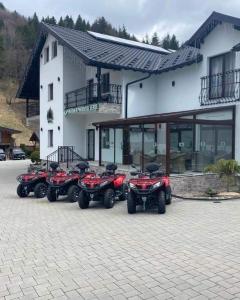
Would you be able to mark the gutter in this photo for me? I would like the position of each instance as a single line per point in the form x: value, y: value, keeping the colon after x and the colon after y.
x: 126, y: 92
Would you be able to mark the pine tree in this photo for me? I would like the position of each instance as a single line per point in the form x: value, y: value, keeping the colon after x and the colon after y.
x: 155, y: 39
x: 68, y: 22
x: 2, y: 6
x: 61, y: 22
x: 174, y: 43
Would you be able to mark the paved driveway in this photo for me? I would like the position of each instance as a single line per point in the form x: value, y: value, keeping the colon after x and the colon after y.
x: 57, y: 251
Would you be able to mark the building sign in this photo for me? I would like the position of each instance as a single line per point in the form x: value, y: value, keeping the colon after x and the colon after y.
x: 86, y: 108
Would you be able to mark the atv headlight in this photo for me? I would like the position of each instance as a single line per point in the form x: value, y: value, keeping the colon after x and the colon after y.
x: 103, y: 183
x: 82, y: 184
x: 156, y: 185
x: 19, y: 178
x: 132, y: 186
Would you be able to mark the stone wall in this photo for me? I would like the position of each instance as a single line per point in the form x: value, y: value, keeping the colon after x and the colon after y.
x: 186, y: 183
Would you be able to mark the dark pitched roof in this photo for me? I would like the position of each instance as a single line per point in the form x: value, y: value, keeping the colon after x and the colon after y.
x: 212, y: 21
x: 184, y: 56
x: 105, y: 53
x: 9, y: 130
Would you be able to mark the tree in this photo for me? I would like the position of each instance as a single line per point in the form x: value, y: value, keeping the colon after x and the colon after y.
x: 174, y: 43
x: 155, y: 39
x: 170, y: 42
x: 61, y: 22
x: 2, y: 6
x: 146, y: 39
x: 68, y: 22
x: 49, y: 20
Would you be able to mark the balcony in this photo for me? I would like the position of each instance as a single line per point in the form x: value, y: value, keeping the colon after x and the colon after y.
x: 106, y: 99
x: 220, y: 88
x: 32, y: 108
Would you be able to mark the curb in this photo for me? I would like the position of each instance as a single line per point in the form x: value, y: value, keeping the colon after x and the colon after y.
x: 206, y: 198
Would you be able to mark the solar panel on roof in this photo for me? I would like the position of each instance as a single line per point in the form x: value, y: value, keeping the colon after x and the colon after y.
x: 127, y: 42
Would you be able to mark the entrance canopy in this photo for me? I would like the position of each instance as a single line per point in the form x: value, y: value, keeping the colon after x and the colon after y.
x: 179, y: 141
x: 180, y: 117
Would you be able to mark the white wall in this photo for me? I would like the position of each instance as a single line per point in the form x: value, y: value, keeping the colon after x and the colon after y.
x: 49, y: 73
x: 141, y: 101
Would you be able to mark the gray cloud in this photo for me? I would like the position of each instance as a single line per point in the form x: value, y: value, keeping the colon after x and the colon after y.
x: 181, y: 17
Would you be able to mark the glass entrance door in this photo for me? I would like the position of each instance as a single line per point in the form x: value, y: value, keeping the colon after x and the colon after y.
x: 91, y: 144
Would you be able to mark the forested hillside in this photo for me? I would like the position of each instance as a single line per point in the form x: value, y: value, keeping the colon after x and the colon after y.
x: 18, y: 33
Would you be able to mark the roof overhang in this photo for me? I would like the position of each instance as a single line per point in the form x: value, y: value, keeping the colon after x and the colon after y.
x: 213, y: 20
x: 9, y: 130
x: 178, y: 117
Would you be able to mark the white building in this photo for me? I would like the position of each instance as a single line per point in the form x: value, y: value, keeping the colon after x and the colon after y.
x: 127, y: 102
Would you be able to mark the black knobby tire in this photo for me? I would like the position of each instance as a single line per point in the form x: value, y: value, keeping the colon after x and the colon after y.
x: 83, y: 200
x: 123, y: 196
x: 168, y: 195
x: 72, y: 193
x: 40, y: 190
x: 161, y: 202
x: 131, y: 203
x: 51, y: 195
x: 109, y: 198
x: 21, y: 191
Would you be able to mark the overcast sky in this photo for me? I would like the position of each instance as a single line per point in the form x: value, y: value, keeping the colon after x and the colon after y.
x: 181, y: 17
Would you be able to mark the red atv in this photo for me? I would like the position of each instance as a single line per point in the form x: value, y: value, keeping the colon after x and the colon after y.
x: 66, y: 183
x: 150, y: 189
x: 35, y: 181
x: 106, y: 187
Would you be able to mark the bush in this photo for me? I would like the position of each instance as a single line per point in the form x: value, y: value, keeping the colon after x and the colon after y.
x: 35, y: 156
x: 26, y: 150
x: 226, y: 169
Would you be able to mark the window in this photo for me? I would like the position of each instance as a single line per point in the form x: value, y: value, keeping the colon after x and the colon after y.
x: 222, y: 75
x: 105, y: 139
x: 50, y: 92
x: 46, y: 55
x: 54, y: 49
x: 105, y: 83
x: 50, y: 138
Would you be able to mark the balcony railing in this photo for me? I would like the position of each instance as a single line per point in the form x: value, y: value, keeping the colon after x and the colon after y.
x: 111, y: 93
x: 32, y: 109
x: 220, y: 88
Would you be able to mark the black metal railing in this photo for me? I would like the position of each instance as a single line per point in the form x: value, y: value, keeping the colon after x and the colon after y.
x: 32, y: 109
x: 220, y: 88
x: 64, y: 154
x: 111, y: 93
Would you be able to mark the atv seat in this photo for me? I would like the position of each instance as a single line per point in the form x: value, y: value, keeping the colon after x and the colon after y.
x: 110, y: 169
x: 152, y: 167
x: 82, y: 166
x: 54, y: 166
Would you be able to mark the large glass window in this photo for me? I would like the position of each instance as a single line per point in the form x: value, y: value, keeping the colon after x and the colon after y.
x: 181, y: 147
x: 222, y: 75
x: 213, y: 142
x: 135, y: 141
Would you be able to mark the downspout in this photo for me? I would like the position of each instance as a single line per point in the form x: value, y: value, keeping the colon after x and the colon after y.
x: 126, y: 91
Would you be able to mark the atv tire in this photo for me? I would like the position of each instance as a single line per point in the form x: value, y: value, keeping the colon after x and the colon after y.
x: 21, y: 191
x: 109, y: 198
x: 51, y: 195
x: 123, y: 195
x: 40, y: 190
x: 72, y: 193
x: 131, y: 203
x: 168, y: 195
x: 161, y: 202
x: 83, y: 200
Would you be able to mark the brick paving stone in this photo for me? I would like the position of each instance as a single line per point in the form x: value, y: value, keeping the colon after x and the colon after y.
x: 57, y: 251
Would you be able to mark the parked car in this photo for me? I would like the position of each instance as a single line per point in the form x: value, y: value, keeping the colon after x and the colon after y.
x: 17, y: 153
x: 150, y: 189
x: 66, y: 183
x: 106, y: 187
x: 2, y: 155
